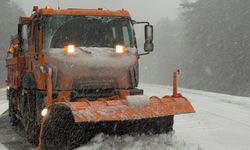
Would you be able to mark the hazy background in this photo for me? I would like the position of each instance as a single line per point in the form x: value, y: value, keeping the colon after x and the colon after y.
x: 151, y: 10
x: 140, y: 10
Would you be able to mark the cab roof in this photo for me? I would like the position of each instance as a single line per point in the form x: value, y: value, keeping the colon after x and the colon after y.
x: 72, y: 11
x: 76, y: 11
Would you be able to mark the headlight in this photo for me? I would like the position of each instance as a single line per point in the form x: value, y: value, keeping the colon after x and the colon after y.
x: 70, y: 49
x: 44, y: 112
x: 120, y: 49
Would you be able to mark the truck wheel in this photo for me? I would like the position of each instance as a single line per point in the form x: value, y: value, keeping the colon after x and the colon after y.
x: 60, y: 132
x: 12, y: 96
x: 58, y: 129
x: 30, y: 125
x: 28, y: 110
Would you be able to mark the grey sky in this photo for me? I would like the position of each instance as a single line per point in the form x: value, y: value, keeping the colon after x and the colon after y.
x: 150, y: 10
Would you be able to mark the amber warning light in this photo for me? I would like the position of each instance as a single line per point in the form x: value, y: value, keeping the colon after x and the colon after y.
x: 120, y: 49
x: 70, y: 49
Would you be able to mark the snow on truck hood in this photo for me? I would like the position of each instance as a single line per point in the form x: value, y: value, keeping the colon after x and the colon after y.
x: 95, y: 57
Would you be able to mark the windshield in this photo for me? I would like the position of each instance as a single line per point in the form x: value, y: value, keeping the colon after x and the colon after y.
x: 87, y: 31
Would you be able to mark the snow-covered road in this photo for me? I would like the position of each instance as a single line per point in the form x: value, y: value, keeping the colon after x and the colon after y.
x: 3, y: 108
x: 3, y: 101
x: 222, y: 122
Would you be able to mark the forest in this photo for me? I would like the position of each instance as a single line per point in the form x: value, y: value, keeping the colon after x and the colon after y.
x: 209, y: 42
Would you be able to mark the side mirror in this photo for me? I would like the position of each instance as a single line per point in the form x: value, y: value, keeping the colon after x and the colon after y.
x: 149, y: 36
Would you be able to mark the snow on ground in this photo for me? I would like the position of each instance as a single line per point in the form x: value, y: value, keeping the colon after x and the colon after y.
x: 222, y: 122
x: 3, y: 108
x: 3, y: 102
x: 143, y: 142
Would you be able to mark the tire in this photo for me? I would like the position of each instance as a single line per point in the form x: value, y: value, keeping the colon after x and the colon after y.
x: 28, y: 109
x: 60, y: 132
x: 56, y: 132
x: 30, y: 125
x: 12, y: 96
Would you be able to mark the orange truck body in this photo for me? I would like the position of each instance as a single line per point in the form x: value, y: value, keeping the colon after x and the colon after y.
x: 112, y: 108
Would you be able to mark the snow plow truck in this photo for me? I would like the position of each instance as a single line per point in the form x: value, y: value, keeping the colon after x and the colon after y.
x: 73, y: 73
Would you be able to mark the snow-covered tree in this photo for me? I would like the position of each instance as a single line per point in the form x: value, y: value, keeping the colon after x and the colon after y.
x: 217, y: 35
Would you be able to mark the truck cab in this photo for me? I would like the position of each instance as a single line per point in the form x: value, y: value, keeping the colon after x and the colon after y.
x: 87, y: 49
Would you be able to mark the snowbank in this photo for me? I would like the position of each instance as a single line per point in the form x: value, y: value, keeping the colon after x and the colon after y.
x: 3, y: 101
x: 144, y: 142
x: 221, y: 122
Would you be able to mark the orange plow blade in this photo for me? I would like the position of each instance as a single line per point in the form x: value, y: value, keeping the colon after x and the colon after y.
x: 72, y: 123
x: 121, y: 110
x: 77, y: 122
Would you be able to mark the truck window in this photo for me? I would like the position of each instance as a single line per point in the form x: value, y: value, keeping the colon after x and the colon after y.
x: 36, y: 36
x: 114, y: 32
x: 86, y: 31
x: 25, y: 37
x: 126, y: 35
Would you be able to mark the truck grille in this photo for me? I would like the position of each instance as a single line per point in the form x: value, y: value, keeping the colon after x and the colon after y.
x: 93, y: 89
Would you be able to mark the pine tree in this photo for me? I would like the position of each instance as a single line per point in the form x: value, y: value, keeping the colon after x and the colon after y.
x: 217, y: 34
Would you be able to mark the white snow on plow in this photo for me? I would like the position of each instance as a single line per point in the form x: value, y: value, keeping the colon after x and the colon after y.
x: 3, y: 107
x: 138, y: 101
